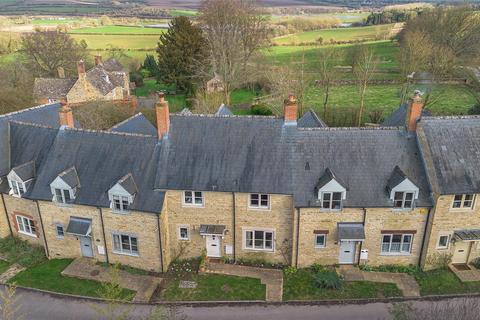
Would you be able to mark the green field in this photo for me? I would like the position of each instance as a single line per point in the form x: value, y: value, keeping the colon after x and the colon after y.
x: 43, y: 22
x: 119, y: 30
x: 131, y: 42
x: 344, y: 17
x: 339, y: 34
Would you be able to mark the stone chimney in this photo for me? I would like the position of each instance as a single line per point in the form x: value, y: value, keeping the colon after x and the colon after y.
x: 163, y: 116
x: 98, y: 60
x: 61, y: 72
x: 81, y: 69
x: 66, y: 116
x: 290, y: 110
x: 414, y: 111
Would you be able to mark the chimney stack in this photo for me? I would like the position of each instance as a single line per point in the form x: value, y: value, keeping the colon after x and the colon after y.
x: 98, y: 60
x: 414, y: 111
x: 61, y: 72
x: 163, y: 116
x: 66, y: 116
x: 290, y: 110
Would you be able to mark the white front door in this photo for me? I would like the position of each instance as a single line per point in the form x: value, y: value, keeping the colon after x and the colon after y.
x: 461, y: 251
x: 213, y: 246
x: 86, y: 246
x: 347, y: 252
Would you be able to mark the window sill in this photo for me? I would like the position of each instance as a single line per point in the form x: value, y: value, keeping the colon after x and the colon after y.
x: 180, y: 239
x: 387, y: 254
x: 120, y: 212
x: 441, y: 248
x: 126, y: 254
x: 320, y: 248
x: 185, y: 205
x: 259, y: 208
x: 461, y: 210
x: 28, y: 234
x: 330, y: 210
x: 62, y: 204
x: 402, y: 210
x: 261, y: 250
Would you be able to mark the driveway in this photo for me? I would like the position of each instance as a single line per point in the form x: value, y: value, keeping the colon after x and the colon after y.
x: 41, y: 306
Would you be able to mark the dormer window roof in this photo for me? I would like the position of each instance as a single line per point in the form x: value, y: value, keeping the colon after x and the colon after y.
x: 65, y: 186
x: 122, y: 194
x: 70, y: 177
x: 20, y: 178
x: 331, y: 191
x: 401, y: 190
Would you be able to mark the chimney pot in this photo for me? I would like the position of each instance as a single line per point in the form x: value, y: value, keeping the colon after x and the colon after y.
x: 98, y: 60
x: 66, y: 116
x: 414, y: 111
x: 81, y: 68
x: 163, y: 116
x: 290, y: 110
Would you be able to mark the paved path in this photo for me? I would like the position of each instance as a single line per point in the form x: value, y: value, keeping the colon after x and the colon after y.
x: 405, y: 282
x: 86, y: 268
x: 469, y: 275
x: 10, y: 273
x: 271, y: 278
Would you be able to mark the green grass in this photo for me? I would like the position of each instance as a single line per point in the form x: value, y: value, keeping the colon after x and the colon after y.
x: 241, y: 96
x: 443, y: 281
x: 43, y: 22
x: 176, y: 102
x: 119, y: 30
x: 182, y: 12
x: 213, y: 287
x: 130, y: 42
x: 46, y: 276
x: 300, y: 286
x: 344, y: 17
x: 21, y: 252
x: 4, y: 266
x: 338, y: 34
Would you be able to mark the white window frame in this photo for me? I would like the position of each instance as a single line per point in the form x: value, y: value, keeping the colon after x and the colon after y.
x: 252, y: 247
x: 120, y: 249
x: 123, y: 201
x: 330, y: 201
x: 59, y: 225
x: 17, y: 188
x: 462, y: 201
x: 193, y: 195
x: 440, y: 247
x: 187, y: 238
x: 26, y: 226
x: 404, y: 196
x: 402, y: 242
x: 259, y: 206
x: 316, y: 245
x: 62, y: 199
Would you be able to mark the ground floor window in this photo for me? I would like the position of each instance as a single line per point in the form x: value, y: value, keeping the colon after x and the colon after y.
x: 443, y: 241
x: 26, y: 226
x: 397, y: 243
x: 259, y: 240
x: 183, y: 233
x: 59, y: 230
x: 125, y: 244
x: 320, y: 240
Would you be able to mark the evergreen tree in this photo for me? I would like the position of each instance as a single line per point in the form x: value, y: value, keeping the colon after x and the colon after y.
x: 151, y: 65
x: 182, y: 51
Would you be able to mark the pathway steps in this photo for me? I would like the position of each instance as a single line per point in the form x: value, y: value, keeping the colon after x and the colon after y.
x: 11, y: 272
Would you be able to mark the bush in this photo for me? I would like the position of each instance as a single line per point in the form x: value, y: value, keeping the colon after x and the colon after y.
x: 289, y: 270
x: 137, y: 78
x: 261, y: 110
x: 439, y: 260
x: 258, y: 262
x: 328, y: 280
x: 476, y: 263
x: 181, y: 268
x: 410, y: 269
x: 316, y: 268
x: 474, y: 110
x: 22, y: 252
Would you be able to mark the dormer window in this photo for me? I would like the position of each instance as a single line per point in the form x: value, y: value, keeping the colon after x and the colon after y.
x: 65, y: 186
x: 401, y: 190
x: 122, y: 194
x: 20, y: 178
x: 17, y: 188
x: 331, y: 192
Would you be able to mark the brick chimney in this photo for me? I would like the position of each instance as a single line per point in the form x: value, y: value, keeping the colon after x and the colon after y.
x: 61, y: 72
x: 290, y: 110
x: 81, y: 69
x: 98, y: 60
x: 163, y: 116
x: 66, y: 116
x: 414, y: 111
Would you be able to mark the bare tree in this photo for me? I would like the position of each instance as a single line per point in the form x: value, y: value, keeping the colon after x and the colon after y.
x: 365, y: 65
x: 235, y: 31
x: 101, y: 115
x: 16, y: 87
x: 327, y: 58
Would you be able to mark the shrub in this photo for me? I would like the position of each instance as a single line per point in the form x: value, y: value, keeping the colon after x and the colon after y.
x: 316, y: 268
x: 261, y: 110
x: 474, y: 110
x: 258, y: 262
x: 439, y: 260
x: 410, y: 269
x: 137, y: 78
x: 289, y: 270
x: 21, y: 252
x: 328, y: 280
x: 476, y: 263
x: 181, y: 268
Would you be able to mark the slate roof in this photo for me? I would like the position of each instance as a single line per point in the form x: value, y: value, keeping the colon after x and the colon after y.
x: 185, y: 112
x: 25, y: 171
x: 453, y: 146
x: 112, y: 64
x: 310, y: 120
x: 70, y: 177
x: 223, y: 110
x: 103, y: 80
x: 399, y: 115
x: 397, y: 177
x: 128, y: 184
x: 52, y: 88
x: 363, y: 159
x: 326, y: 177
x: 136, y: 124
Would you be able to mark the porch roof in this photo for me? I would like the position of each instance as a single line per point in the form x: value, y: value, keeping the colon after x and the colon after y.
x: 351, y: 231
x: 211, y: 229
x: 467, y: 235
x: 79, y: 226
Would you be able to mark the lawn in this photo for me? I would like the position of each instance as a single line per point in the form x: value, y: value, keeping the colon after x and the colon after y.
x: 300, y: 286
x: 46, y: 276
x: 211, y: 287
x: 337, y: 34
x: 119, y: 30
x: 4, y: 266
x: 126, y: 41
x: 444, y: 281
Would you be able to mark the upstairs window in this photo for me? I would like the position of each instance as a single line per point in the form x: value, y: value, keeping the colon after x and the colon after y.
x: 193, y: 198
x: 397, y: 243
x: 17, y: 188
x: 259, y: 201
x: 463, y: 201
x: 332, y: 200
x: 120, y: 203
x: 403, y: 200
x: 62, y: 196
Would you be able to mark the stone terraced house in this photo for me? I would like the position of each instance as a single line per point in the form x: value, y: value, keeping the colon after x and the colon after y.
x: 286, y: 190
x: 107, y: 80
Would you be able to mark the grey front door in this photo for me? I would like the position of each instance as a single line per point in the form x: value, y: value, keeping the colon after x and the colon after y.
x: 347, y: 252
x: 86, y: 246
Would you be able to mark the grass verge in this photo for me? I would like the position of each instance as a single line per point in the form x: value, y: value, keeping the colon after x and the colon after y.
x: 47, y: 276
x: 301, y: 286
x: 211, y: 287
x: 443, y: 281
x: 4, y: 266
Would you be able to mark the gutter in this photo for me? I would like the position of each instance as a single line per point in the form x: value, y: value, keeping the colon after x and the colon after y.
x: 361, y: 242
x: 160, y: 242
x: 6, y: 214
x: 298, y: 237
x: 424, y: 240
x: 43, y: 230
x: 234, y: 233
x: 103, y: 232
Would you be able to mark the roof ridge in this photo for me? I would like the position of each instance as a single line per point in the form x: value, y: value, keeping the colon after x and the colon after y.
x: 25, y: 110
x: 351, y: 129
x: 109, y: 132
x: 202, y: 115
x: 33, y: 124
x: 126, y: 120
x: 450, y: 117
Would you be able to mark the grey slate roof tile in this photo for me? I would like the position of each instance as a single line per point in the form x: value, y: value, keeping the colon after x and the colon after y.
x: 25, y: 171
x: 128, y: 184
x: 311, y: 120
x: 326, y: 177
x: 52, y: 88
x: 70, y: 177
x: 223, y: 110
x: 396, y: 178
x: 399, y: 115
x: 136, y: 124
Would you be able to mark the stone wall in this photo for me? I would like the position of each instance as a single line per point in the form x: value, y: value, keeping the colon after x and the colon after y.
x: 4, y: 223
